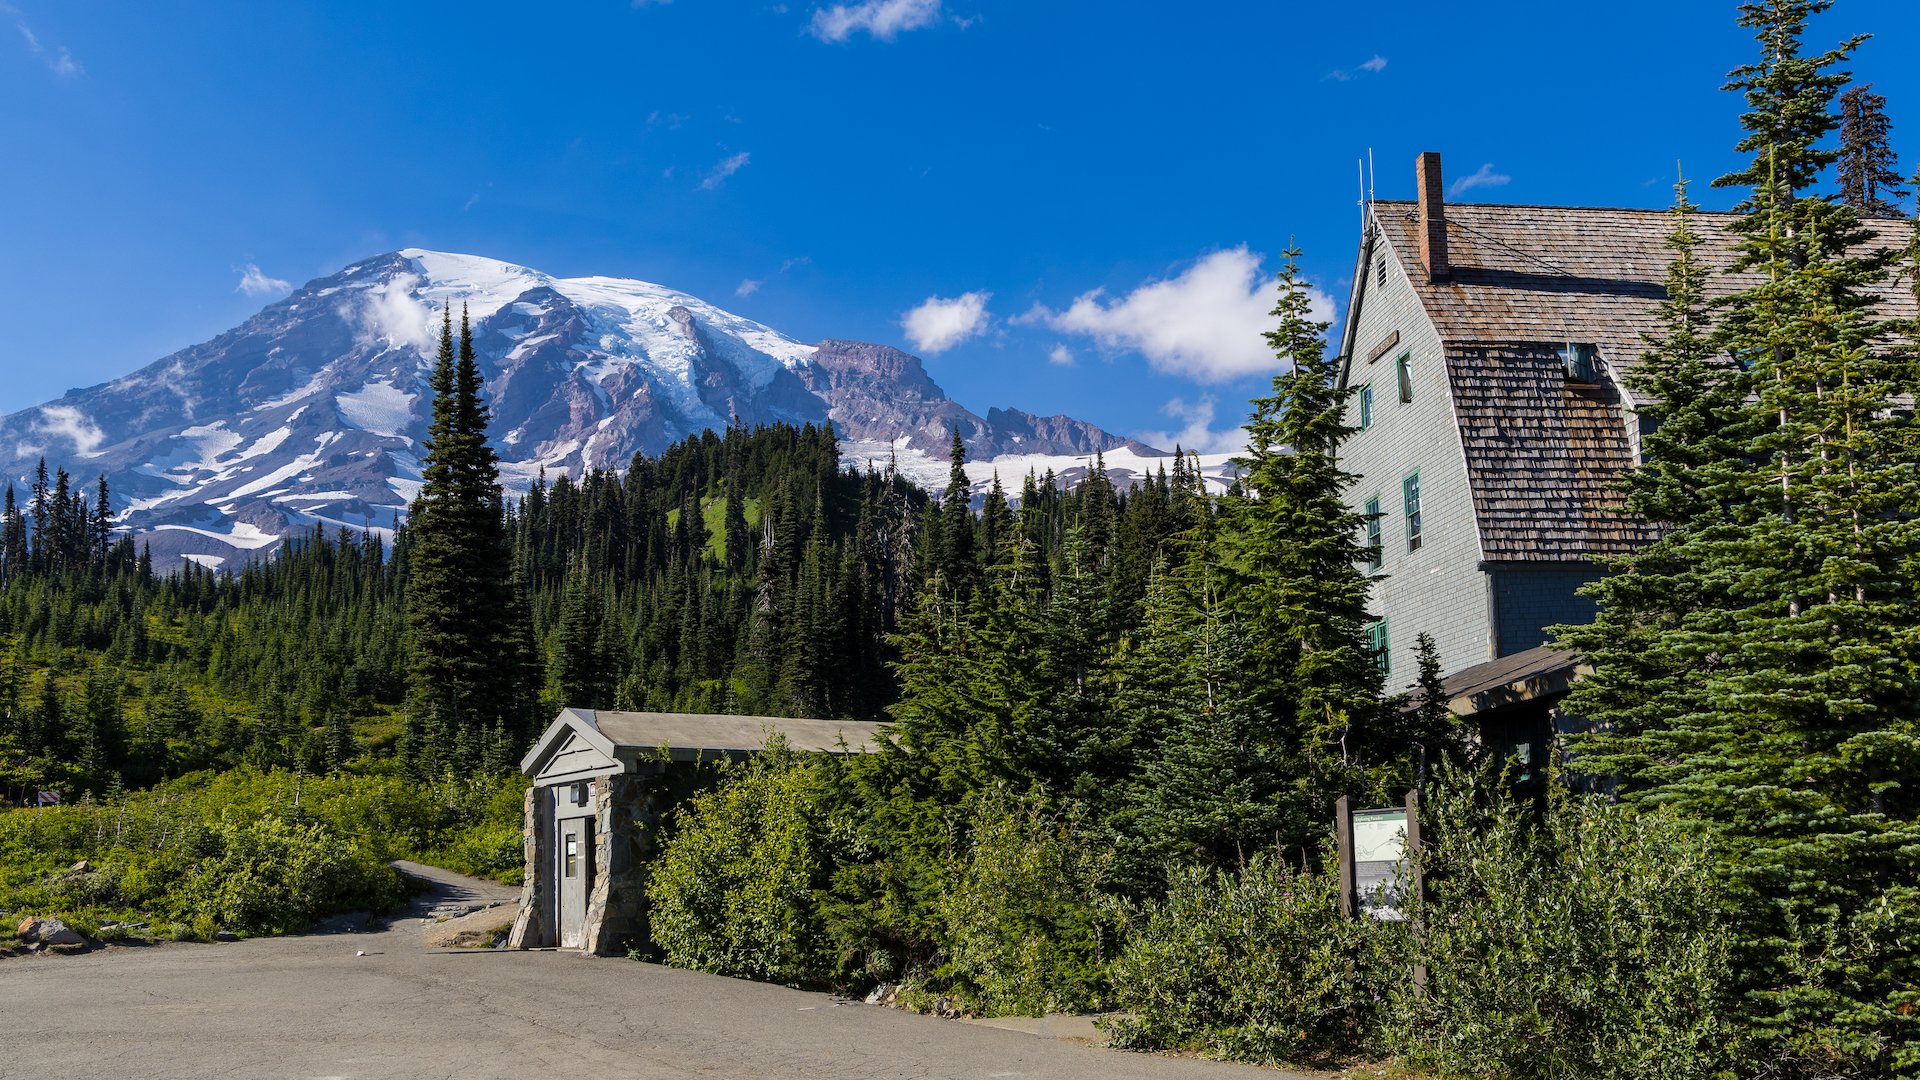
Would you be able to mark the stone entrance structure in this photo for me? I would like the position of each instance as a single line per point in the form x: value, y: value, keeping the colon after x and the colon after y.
x: 601, y: 781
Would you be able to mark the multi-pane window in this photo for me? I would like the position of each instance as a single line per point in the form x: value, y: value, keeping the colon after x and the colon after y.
x: 1374, y: 557
x: 1410, y: 496
x: 1377, y: 643
x: 1366, y: 406
x: 1582, y: 363
x: 1403, y: 367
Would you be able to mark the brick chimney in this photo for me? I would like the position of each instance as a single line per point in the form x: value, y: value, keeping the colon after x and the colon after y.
x: 1433, y: 219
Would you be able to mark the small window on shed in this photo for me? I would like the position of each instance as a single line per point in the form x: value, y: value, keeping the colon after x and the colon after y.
x: 1581, y: 363
x: 1366, y: 406
x: 1403, y: 368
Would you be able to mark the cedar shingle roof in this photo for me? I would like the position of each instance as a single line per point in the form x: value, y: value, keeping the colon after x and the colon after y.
x: 1525, y: 279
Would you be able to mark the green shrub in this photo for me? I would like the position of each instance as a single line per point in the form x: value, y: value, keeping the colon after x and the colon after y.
x: 1590, y: 941
x: 270, y: 876
x: 1255, y: 965
x: 1024, y: 925
x: 733, y: 890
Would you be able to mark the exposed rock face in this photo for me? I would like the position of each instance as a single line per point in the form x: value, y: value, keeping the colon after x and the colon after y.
x: 312, y: 412
x: 879, y: 393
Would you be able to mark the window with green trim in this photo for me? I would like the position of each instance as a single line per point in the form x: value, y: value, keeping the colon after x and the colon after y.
x: 1410, y: 497
x: 1374, y: 557
x: 1403, y: 369
x: 1378, y: 644
x: 1366, y: 407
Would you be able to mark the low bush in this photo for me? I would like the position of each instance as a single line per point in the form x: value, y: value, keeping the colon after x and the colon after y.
x: 1585, y: 941
x: 1024, y: 924
x: 1253, y: 965
x: 733, y: 890
x: 249, y: 850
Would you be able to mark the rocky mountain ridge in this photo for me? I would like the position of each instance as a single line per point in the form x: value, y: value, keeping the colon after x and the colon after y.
x: 312, y: 411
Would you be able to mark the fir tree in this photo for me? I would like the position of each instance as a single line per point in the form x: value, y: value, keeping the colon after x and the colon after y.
x: 458, y: 591
x: 1869, y: 176
x: 1297, y: 548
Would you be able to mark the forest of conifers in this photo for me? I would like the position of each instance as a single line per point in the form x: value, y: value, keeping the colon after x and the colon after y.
x: 1120, y: 717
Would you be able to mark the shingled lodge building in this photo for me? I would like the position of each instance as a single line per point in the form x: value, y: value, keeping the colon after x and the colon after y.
x: 1486, y: 346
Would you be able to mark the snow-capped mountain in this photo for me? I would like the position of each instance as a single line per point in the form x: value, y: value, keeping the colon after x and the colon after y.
x: 312, y: 411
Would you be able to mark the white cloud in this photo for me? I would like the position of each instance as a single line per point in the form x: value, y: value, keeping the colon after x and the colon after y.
x: 1372, y: 66
x: 1198, y: 434
x: 725, y: 169
x: 884, y: 19
x: 939, y: 323
x: 1486, y: 177
x: 746, y: 288
x: 392, y: 318
x: 1061, y: 355
x: 255, y: 283
x: 797, y: 260
x: 69, y: 423
x: 59, y: 59
x: 1205, y: 324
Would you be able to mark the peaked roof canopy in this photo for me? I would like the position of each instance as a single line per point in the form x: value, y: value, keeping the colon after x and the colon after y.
x: 626, y: 737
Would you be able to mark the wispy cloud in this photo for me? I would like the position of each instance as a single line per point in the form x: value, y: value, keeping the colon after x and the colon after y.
x: 1204, y: 323
x: 940, y: 323
x: 69, y: 423
x: 747, y: 287
x: 797, y: 260
x: 58, y: 59
x: 651, y: 3
x: 1372, y: 66
x: 1486, y: 177
x: 1061, y: 355
x: 725, y: 169
x: 883, y: 19
x: 255, y: 283
x: 1197, y: 432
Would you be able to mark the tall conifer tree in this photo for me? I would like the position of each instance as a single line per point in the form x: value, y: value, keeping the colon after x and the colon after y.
x: 1298, y: 550
x: 466, y: 668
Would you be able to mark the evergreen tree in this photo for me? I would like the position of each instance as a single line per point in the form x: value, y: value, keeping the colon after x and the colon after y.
x: 1869, y: 177
x: 1782, y: 715
x: 463, y: 670
x: 1297, y: 549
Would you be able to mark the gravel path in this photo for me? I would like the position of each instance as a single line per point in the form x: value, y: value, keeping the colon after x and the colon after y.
x: 311, y: 1007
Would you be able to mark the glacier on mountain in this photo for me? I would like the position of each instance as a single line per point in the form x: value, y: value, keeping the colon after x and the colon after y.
x: 313, y: 411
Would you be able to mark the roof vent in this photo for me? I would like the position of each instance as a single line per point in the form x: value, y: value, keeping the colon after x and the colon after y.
x: 1433, y: 219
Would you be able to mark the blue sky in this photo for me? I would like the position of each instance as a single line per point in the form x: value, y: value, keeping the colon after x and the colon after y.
x: 1066, y: 207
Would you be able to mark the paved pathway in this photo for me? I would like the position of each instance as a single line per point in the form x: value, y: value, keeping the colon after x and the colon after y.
x: 309, y: 1007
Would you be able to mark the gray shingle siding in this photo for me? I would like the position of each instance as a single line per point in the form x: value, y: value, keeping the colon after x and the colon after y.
x: 1438, y: 589
x: 1529, y: 598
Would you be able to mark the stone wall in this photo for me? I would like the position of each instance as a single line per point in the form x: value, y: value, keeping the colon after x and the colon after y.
x: 533, y: 927
x: 625, y: 809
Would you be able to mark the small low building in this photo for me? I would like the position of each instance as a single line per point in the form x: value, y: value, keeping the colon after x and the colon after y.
x: 601, y: 781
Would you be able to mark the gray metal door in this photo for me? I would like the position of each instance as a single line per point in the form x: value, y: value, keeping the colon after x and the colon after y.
x: 573, y: 866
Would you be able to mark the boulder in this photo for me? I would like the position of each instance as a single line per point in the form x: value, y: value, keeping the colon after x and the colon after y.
x: 482, y: 929
x: 226, y: 935
x: 49, y: 932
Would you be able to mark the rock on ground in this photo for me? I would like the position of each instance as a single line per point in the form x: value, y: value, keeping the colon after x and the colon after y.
x: 482, y: 929
x: 49, y: 932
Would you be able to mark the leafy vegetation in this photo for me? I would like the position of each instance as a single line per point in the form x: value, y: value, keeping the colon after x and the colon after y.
x: 250, y: 850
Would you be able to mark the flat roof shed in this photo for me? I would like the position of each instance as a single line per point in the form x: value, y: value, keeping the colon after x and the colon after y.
x: 601, y: 779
